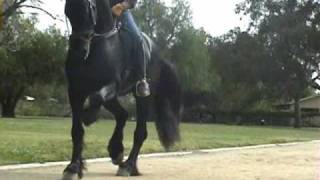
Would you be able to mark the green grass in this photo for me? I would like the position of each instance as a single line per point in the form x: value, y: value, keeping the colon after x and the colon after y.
x: 25, y: 140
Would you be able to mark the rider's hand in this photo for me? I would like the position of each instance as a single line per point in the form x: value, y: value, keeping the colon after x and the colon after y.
x: 118, y: 9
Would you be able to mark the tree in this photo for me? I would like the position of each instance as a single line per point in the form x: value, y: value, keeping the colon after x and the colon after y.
x: 163, y: 23
x: 287, y: 29
x: 191, y: 55
x: 239, y: 60
x: 171, y: 29
x: 37, y: 59
x: 10, y: 7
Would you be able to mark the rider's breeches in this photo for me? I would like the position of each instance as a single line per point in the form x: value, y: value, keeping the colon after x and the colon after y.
x: 129, y: 24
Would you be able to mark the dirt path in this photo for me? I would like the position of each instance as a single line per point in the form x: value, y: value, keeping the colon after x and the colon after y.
x: 294, y: 162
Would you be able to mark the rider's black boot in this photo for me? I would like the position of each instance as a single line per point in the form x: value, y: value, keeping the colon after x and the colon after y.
x: 142, y: 86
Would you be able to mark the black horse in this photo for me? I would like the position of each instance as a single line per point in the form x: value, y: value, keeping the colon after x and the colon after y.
x: 98, y: 70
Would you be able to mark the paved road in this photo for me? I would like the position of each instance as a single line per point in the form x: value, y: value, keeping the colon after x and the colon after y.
x: 294, y: 162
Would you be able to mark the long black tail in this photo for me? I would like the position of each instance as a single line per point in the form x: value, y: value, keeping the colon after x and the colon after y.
x: 168, y: 105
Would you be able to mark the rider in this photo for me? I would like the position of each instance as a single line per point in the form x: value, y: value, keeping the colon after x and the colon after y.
x: 120, y: 8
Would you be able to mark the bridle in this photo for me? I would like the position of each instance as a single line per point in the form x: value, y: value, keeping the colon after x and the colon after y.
x: 93, y: 13
x: 93, y: 17
x: 88, y: 36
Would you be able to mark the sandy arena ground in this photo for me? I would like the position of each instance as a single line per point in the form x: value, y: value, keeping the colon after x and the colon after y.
x: 293, y: 162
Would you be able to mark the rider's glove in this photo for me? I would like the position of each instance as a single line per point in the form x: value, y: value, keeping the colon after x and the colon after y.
x: 120, y: 7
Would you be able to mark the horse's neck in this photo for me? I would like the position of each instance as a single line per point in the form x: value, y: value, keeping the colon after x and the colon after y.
x: 105, y: 18
x: 113, y: 50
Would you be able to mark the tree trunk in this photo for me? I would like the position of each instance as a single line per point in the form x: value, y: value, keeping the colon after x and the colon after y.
x: 8, y: 110
x: 9, y: 101
x: 297, y: 112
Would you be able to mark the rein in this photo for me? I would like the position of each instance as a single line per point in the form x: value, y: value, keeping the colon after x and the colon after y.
x: 89, y: 37
x: 92, y: 7
x: 93, y: 13
x: 107, y: 34
x: 85, y: 37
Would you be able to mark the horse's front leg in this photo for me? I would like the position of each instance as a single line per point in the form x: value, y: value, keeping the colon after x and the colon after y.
x: 129, y: 167
x: 115, y: 146
x: 76, y: 166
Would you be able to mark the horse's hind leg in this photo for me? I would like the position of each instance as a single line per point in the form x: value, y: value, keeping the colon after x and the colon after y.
x: 76, y: 166
x: 129, y: 168
x: 115, y: 146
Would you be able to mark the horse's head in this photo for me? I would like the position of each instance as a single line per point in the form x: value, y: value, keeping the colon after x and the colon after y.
x: 88, y: 17
x: 82, y: 16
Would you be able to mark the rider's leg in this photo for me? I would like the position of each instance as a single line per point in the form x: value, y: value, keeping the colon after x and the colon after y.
x: 142, y: 86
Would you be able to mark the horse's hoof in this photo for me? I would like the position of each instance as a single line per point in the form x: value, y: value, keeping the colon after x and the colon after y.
x: 116, y: 152
x: 73, y: 171
x: 70, y: 176
x: 118, y: 160
x: 125, y: 170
